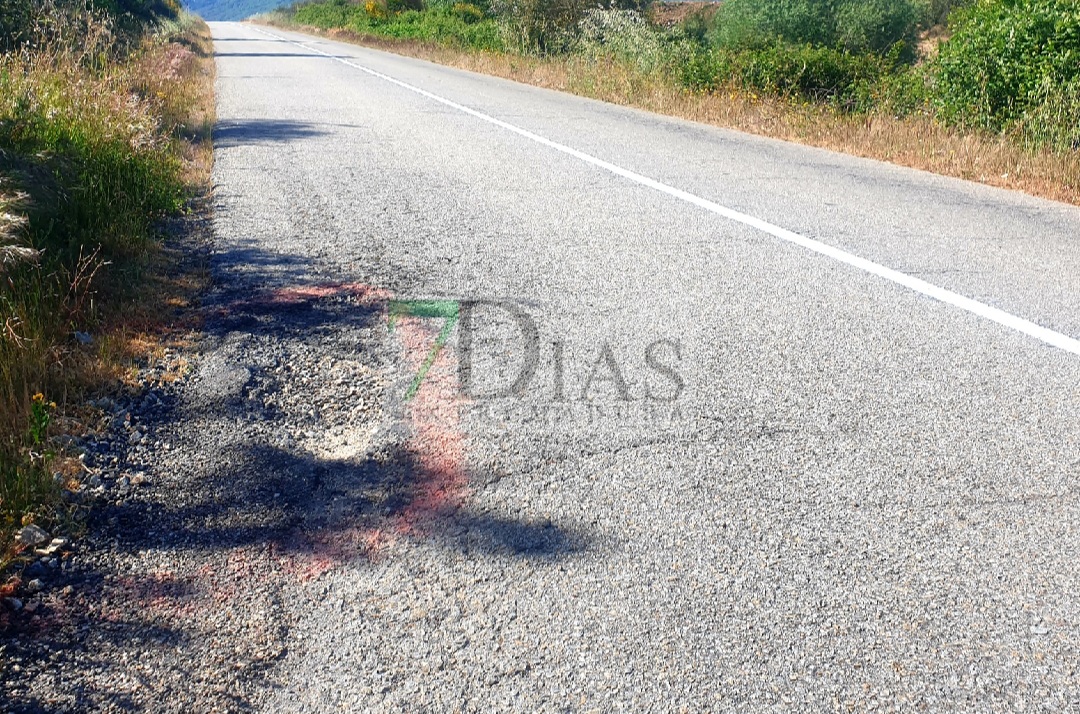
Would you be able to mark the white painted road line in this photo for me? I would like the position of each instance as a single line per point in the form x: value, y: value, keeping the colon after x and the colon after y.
x: 975, y: 307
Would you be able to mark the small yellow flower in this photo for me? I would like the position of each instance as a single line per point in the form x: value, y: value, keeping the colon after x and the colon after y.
x: 39, y: 398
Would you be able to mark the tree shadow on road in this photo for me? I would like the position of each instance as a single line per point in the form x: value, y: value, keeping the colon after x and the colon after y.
x: 282, y: 463
x: 262, y: 131
x: 289, y: 500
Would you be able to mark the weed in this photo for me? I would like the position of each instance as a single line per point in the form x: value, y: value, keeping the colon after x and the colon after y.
x: 93, y: 105
x: 40, y: 415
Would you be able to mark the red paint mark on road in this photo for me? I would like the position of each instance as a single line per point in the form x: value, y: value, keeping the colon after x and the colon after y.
x: 365, y: 294
x: 301, y: 295
x: 437, y: 442
x: 436, y: 446
x: 312, y: 554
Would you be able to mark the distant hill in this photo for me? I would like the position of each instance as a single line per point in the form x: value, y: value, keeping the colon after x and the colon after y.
x: 231, y: 9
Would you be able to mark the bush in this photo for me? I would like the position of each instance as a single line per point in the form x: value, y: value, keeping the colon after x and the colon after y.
x: 625, y: 36
x: 549, y: 26
x: 937, y: 12
x: 1011, y: 64
x: 852, y: 25
x: 467, y: 13
x: 335, y: 13
x: 902, y: 93
x: 877, y: 26
x: 697, y: 27
x: 460, y: 24
x: 376, y: 11
x: 1053, y: 118
x: 751, y: 24
x: 813, y: 73
x: 538, y: 25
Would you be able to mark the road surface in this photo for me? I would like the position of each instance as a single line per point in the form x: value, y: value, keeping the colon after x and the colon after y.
x: 516, y: 401
x: 747, y: 472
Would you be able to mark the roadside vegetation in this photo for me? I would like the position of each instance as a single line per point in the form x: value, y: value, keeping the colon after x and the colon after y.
x: 981, y: 89
x: 104, y: 128
x: 458, y: 24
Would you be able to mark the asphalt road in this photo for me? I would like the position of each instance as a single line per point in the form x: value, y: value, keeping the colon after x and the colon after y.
x: 748, y: 463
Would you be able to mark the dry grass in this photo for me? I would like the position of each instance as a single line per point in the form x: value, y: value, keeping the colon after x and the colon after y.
x: 168, y: 87
x: 162, y: 314
x: 181, y: 73
x: 915, y: 142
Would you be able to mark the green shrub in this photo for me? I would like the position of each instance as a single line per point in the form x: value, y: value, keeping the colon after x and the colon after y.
x: 697, y: 27
x: 817, y: 73
x: 625, y: 36
x: 1011, y: 64
x: 876, y: 26
x: 393, y: 6
x: 805, y: 71
x: 335, y: 13
x: 539, y: 25
x: 549, y: 26
x: 757, y: 23
x: 1053, y: 118
x: 902, y: 93
x: 701, y: 71
x: 936, y: 12
x: 852, y: 25
x: 459, y: 24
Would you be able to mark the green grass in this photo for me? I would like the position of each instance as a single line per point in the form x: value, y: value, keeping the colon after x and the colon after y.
x: 89, y: 162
